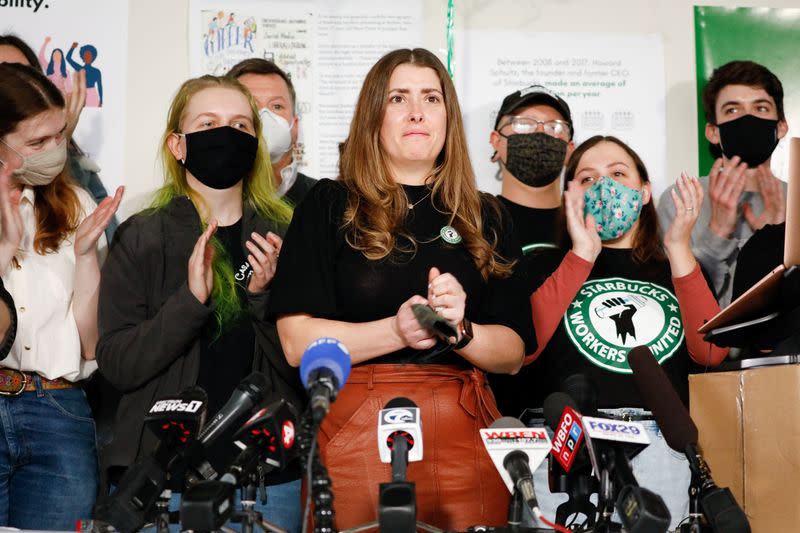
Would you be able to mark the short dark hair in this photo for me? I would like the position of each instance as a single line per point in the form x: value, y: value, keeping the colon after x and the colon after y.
x: 22, y: 46
x: 256, y: 65
x: 741, y: 73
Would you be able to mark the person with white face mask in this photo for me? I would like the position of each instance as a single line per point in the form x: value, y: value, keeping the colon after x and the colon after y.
x: 277, y: 102
x: 51, y: 240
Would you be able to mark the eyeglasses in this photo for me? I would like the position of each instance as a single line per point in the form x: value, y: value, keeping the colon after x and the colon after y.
x: 522, y: 125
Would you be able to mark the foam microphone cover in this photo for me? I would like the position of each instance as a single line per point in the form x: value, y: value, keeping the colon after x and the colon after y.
x: 661, y: 398
x: 583, y: 390
x: 507, y: 422
x: 399, y: 402
x: 554, y: 406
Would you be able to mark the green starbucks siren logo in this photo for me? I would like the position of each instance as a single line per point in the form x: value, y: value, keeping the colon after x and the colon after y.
x: 610, y: 316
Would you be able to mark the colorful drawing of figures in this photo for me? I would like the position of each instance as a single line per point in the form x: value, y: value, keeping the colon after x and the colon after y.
x: 94, y: 80
x: 225, y: 31
x: 220, y: 30
x: 249, y: 30
x: 55, y: 67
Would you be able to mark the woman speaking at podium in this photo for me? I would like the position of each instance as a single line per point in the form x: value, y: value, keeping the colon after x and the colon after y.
x: 405, y: 225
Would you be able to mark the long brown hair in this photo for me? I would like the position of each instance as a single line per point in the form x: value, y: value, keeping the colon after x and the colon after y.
x: 24, y: 93
x: 647, y: 244
x: 377, y: 206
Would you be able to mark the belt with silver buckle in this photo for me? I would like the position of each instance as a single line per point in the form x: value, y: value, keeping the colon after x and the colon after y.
x: 14, y: 382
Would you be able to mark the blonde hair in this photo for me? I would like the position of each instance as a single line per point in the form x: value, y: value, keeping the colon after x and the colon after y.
x: 377, y: 206
x: 258, y: 189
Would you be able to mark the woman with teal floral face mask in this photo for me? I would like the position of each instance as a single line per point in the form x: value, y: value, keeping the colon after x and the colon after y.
x: 621, y: 285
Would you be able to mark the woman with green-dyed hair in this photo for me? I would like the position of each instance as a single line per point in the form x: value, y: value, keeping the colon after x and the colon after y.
x: 184, y: 290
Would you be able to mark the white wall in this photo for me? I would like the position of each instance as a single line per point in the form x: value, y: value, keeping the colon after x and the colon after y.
x: 158, y: 60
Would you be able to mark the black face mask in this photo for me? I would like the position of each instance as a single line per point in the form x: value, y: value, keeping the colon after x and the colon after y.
x: 751, y: 138
x: 535, y: 159
x: 221, y: 157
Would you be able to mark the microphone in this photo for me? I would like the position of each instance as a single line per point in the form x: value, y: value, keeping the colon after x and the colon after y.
x: 399, y: 441
x: 324, y: 369
x: 609, y: 444
x: 561, y: 415
x: 267, y: 438
x: 430, y: 320
x: 718, y: 504
x: 176, y: 421
x: 215, y: 437
x: 515, y: 451
x: 570, y: 466
x: 399, y: 435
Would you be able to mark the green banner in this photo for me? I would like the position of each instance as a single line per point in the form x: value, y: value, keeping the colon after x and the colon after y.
x: 767, y: 36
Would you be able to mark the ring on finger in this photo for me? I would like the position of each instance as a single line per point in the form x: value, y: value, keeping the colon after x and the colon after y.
x: 690, y: 208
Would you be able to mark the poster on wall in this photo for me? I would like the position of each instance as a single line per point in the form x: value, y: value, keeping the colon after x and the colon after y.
x: 326, y: 47
x: 613, y: 83
x: 767, y: 36
x: 68, y: 36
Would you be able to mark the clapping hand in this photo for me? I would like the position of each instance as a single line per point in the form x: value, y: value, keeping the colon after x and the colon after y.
x: 582, y: 229
x: 263, y: 259
x: 95, y: 224
x: 201, y: 274
x: 774, y: 202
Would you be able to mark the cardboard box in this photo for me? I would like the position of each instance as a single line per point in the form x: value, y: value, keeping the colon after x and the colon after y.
x: 749, y: 424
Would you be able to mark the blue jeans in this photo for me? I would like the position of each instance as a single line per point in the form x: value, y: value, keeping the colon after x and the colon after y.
x: 282, y: 508
x: 658, y: 468
x: 48, y: 459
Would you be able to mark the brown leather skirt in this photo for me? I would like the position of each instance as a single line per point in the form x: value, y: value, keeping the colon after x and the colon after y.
x: 457, y: 485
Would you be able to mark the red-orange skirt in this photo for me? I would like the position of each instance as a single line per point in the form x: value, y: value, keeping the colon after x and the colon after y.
x: 457, y: 485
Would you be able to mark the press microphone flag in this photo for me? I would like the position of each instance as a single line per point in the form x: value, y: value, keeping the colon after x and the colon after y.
x: 400, y: 417
x: 507, y: 435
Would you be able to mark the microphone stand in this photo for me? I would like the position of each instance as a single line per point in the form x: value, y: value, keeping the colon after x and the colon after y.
x: 397, y: 500
x: 248, y: 516
x: 320, y: 480
x: 694, y: 523
x: 578, y: 487
x: 516, y: 508
x: 605, y: 505
x: 162, y: 511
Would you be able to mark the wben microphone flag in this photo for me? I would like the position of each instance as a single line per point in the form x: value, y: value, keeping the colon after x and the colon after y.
x: 500, y: 442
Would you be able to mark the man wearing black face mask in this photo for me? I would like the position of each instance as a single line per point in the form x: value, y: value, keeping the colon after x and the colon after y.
x: 532, y: 139
x: 743, y: 103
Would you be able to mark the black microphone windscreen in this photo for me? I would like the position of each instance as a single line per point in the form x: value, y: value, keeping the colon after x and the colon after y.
x: 583, y: 391
x: 554, y: 406
x: 507, y: 422
x: 255, y: 385
x: 661, y: 398
x: 399, y: 402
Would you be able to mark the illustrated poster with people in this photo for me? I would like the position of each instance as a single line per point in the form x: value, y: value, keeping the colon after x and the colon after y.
x: 87, y: 61
x: 327, y: 49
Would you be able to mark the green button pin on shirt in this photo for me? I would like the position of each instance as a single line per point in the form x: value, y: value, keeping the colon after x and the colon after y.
x: 450, y: 235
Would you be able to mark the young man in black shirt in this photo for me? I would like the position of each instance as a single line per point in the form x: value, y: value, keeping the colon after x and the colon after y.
x: 532, y: 141
x: 277, y: 103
